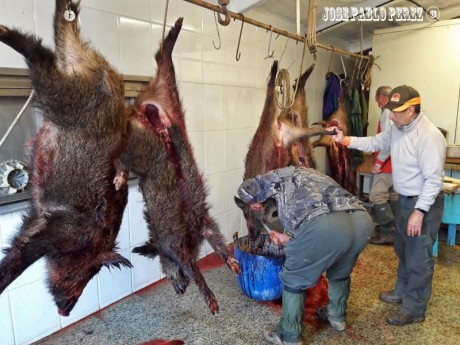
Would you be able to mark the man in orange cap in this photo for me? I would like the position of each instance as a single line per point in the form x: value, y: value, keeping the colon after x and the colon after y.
x: 418, y: 151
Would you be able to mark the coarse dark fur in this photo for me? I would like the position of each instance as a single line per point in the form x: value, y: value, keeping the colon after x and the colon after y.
x: 338, y: 155
x: 76, y: 211
x: 302, y: 150
x: 159, y: 152
x: 270, y: 146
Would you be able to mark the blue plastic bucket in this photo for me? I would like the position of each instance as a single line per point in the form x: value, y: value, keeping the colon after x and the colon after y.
x: 259, y: 272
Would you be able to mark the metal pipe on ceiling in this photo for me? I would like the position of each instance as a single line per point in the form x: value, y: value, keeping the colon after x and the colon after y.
x: 284, y: 33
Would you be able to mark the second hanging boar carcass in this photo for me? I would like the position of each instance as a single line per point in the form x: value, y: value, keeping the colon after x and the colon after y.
x: 159, y: 152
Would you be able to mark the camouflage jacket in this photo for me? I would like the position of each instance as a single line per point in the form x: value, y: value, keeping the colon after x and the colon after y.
x: 300, y: 194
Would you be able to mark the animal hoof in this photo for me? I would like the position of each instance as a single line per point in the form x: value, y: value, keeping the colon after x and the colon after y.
x: 213, y: 307
x: 179, y: 288
x: 234, y: 265
x: 3, y: 30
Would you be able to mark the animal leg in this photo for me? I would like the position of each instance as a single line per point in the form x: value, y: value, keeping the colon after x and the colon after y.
x: 191, y: 269
x: 215, y: 238
x: 29, y: 46
x: 26, y: 247
x: 304, y: 77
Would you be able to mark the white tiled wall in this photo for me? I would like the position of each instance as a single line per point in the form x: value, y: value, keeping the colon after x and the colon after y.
x: 223, y: 100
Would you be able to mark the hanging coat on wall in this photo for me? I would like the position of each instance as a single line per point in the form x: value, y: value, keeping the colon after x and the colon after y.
x: 331, y: 95
x: 355, y: 122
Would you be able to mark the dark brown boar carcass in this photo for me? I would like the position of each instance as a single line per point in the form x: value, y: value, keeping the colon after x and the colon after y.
x: 76, y: 211
x: 270, y: 146
x: 338, y: 155
x: 176, y: 211
x: 301, y: 151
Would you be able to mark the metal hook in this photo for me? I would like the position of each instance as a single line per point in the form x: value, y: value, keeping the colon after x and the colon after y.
x: 270, y: 56
x: 238, y: 54
x: 218, y: 34
x: 223, y: 4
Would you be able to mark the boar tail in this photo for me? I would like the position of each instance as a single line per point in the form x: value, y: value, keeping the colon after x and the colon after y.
x: 148, y: 250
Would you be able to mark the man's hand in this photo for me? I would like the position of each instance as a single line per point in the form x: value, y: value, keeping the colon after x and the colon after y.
x: 339, y: 136
x: 377, y: 168
x: 279, y: 238
x: 414, y: 224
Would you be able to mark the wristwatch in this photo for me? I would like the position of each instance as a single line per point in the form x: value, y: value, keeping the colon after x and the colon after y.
x: 419, y: 209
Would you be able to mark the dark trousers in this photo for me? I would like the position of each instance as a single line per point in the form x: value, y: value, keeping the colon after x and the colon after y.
x: 416, y: 263
x: 328, y: 243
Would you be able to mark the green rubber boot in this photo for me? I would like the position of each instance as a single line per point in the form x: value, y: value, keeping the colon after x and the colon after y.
x: 338, y: 293
x: 289, y: 328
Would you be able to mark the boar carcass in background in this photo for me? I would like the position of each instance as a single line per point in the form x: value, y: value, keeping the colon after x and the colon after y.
x: 270, y: 147
x: 301, y: 151
x: 338, y: 155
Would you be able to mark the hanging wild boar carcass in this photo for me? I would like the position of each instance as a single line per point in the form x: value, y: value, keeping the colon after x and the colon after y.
x: 271, y: 144
x: 301, y: 151
x: 76, y: 210
x: 159, y: 152
x: 338, y: 155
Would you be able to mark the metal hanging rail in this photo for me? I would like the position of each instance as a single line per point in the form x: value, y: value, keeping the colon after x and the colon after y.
x: 284, y: 33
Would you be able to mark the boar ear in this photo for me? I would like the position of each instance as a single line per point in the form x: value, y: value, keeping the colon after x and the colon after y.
x: 112, y: 259
x: 240, y: 203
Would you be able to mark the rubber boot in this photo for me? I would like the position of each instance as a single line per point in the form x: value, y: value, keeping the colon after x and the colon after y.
x: 384, y: 217
x: 289, y: 328
x: 338, y: 293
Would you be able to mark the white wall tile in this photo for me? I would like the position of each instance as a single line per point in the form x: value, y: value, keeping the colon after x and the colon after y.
x: 157, y: 11
x: 29, y: 322
x: 9, y: 224
x: 209, y: 25
x: 232, y: 107
x: 231, y: 31
x: 6, y: 323
x: 197, y: 139
x: 101, y: 28
x: 137, y: 225
x: 136, y: 47
x: 114, y: 284
x: 213, y: 107
x: 191, y: 57
x: 157, y: 36
x: 233, y: 224
x: 146, y: 271
x: 106, y: 5
x: 44, y: 16
x: 231, y: 67
x: 215, y: 152
x: 252, y: 103
x: 233, y: 158
x: 246, y: 138
x: 212, y: 62
x: 216, y: 198
x: 192, y: 102
x: 87, y: 304
x: 139, y: 9
x: 123, y: 235
x: 233, y: 180
x: 193, y: 16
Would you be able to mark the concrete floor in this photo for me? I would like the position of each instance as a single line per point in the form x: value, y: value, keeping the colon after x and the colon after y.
x: 157, y: 314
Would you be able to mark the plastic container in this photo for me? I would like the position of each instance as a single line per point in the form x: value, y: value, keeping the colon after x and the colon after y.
x: 259, y: 272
